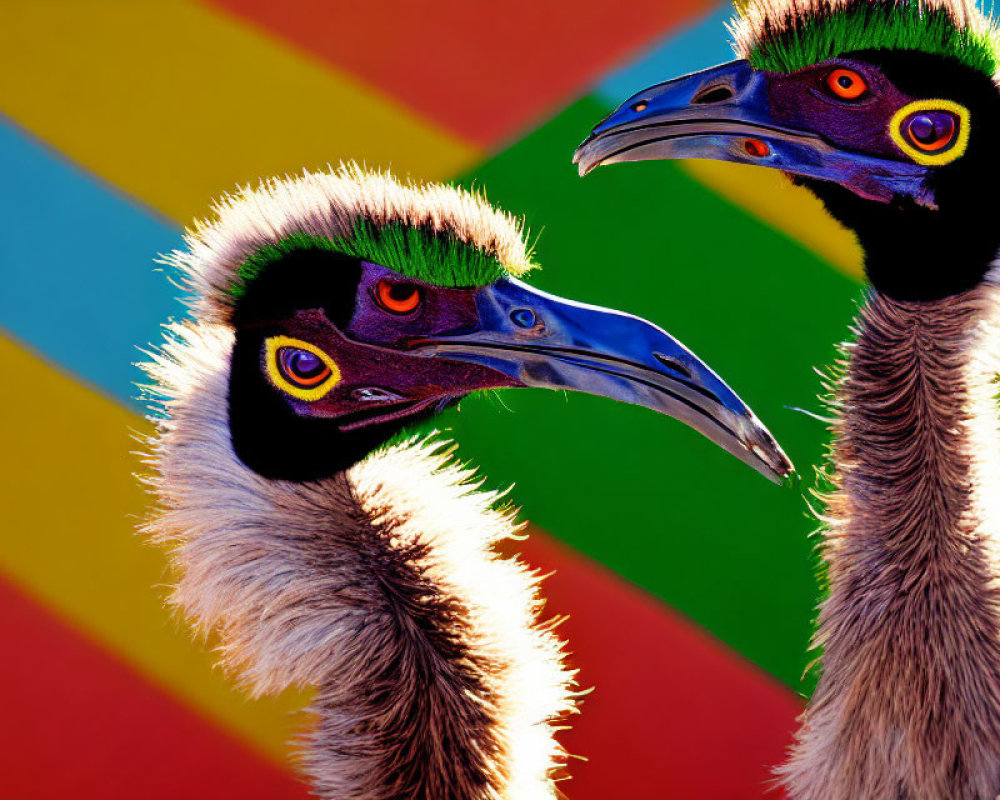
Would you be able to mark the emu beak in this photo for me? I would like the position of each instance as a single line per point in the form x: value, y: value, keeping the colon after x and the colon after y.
x: 542, y: 340
x: 723, y: 114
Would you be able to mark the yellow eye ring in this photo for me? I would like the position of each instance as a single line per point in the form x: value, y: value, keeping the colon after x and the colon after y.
x: 283, y: 357
x: 960, y: 139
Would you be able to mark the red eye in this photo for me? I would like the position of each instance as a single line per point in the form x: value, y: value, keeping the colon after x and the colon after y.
x: 399, y: 298
x: 846, y: 84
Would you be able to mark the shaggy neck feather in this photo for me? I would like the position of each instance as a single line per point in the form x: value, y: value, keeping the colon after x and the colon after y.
x: 908, y: 705
x: 379, y: 587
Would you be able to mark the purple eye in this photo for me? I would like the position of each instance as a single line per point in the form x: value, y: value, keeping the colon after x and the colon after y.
x: 922, y: 128
x: 931, y: 131
x: 302, y: 367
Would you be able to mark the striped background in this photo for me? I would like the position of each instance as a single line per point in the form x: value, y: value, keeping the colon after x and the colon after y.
x: 687, y: 578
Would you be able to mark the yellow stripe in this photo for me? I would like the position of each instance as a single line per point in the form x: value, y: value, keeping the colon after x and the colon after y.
x: 176, y: 103
x: 69, y: 539
x: 769, y: 196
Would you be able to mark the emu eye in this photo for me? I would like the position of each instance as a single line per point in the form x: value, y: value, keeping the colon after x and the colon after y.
x: 299, y: 369
x: 302, y: 367
x: 398, y: 298
x: 931, y: 131
x: 846, y: 84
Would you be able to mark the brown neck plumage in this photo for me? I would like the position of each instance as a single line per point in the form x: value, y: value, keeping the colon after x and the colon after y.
x: 908, y: 705
x: 379, y: 587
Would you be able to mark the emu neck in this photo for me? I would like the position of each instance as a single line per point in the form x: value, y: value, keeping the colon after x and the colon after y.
x: 914, y: 253
x: 379, y: 587
x: 908, y: 705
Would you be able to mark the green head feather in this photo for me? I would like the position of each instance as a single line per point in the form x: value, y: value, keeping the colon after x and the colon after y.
x: 785, y: 37
x: 417, y: 251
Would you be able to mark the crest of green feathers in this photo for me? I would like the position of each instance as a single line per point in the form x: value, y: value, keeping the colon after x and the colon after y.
x: 417, y: 251
x: 785, y: 36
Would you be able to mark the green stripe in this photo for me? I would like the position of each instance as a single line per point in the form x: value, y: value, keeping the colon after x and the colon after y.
x: 643, y: 495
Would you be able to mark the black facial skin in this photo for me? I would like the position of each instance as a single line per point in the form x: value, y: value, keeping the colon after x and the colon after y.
x: 267, y: 434
x: 276, y: 443
x: 913, y: 252
x: 304, y: 278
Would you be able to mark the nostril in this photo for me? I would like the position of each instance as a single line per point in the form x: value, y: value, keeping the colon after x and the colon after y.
x: 714, y: 94
x: 672, y: 363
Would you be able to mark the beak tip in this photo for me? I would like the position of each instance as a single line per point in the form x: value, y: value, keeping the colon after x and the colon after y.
x: 770, y: 460
x: 784, y: 477
x: 787, y: 476
x: 584, y: 164
x: 583, y: 168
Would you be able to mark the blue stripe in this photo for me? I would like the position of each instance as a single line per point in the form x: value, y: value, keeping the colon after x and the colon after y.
x: 79, y: 284
x: 697, y: 47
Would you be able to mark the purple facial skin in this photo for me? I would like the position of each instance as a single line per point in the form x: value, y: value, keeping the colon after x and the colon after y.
x: 377, y: 372
x: 801, y: 101
x: 442, y: 311
x: 395, y: 360
x: 792, y: 122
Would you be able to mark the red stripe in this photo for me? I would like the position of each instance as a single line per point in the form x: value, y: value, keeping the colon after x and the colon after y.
x: 674, y: 713
x: 482, y: 70
x: 75, y: 722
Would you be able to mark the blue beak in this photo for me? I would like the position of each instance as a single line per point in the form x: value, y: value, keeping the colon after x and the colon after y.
x: 542, y: 340
x: 723, y: 114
